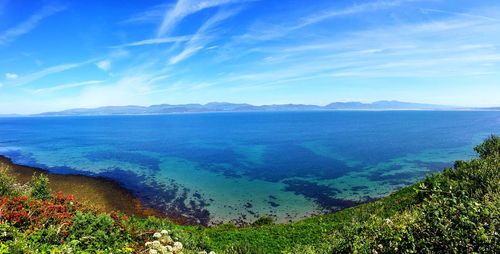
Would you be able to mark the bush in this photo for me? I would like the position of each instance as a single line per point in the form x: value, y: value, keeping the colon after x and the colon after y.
x: 40, y: 187
x: 490, y: 147
x: 6, y: 182
x: 97, y: 232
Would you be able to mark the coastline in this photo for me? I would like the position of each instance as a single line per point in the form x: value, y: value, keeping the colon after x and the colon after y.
x: 106, y: 195
x: 102, y: 194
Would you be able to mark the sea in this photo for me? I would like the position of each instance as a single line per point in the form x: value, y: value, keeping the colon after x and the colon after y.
x: 236, y: 167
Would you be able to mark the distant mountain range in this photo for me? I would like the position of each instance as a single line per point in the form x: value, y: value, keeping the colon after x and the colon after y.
x: 243, y: 107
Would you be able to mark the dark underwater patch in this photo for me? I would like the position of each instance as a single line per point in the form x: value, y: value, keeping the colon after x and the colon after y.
x: 169, y: 198
x: 432, y: 165
x: 396, y: 178
x: 224, y: 170
x: 288, y: 161
x: 323, y: 195
x: 358, y: 188
x: 130, y: 157
x: 205, y: 156
x: 273, y: 204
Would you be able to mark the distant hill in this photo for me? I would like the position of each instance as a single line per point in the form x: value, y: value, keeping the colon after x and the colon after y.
x: 9, y: 115
x: 243, y: 107
x: 384, y: 105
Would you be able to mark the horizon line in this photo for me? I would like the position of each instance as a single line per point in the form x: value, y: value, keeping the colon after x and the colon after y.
x: 438, y: 107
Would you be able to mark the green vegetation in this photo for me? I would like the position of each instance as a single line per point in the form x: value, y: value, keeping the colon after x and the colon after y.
x: 456, y: 211
x: 40, y: 187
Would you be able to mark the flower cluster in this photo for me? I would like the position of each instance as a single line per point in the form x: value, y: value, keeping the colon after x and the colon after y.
x: 24, y: 212
x: 164, y: 244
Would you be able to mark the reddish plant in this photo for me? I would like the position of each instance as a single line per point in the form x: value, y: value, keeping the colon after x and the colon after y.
x: 29, y: 213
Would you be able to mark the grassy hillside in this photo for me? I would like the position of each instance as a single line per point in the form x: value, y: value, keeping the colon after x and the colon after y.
x: 456, y: 211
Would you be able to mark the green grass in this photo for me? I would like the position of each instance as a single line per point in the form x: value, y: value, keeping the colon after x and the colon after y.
x: 456, y: 211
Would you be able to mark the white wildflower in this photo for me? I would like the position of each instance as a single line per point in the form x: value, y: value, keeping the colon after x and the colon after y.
x: 148, y: 243
x: 212, y: 252
x: 153, y: 251
x: 164, y: 250
x: 157, y: 235
x: 165, y: 232
x: 156, y: 244
x: 177, y: 246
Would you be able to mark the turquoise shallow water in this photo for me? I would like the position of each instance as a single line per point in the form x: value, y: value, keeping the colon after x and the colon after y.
x: 222, y: 167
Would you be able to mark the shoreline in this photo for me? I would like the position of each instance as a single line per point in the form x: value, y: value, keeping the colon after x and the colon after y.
x: 107, y: 195
x: 102, y: 194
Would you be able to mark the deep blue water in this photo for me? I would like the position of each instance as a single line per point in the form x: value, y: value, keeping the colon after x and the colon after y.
x: 239, y: 166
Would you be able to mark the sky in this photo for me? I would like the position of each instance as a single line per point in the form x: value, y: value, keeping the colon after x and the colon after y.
x: 60, y: 54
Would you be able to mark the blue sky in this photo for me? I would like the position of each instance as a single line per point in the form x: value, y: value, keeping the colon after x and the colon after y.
x: 65, y: 54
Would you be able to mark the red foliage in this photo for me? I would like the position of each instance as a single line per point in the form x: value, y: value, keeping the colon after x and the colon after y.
x: 118, y: 217
x: 31, y: 213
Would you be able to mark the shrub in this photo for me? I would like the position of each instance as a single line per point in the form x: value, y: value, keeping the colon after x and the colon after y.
x: 27, y: 213
x: 490, y: 147
x: 97, y: 232
x: 6, y: 182
x: 40, y: 187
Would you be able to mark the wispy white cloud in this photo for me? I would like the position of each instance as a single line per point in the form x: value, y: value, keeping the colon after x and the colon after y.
x: 104, y: 65
x: 26, y: 79
x: 268, y: 31
x: 151, y: 15
x: 11, y: 76
x: 276, y: 30
x: 181, y: 85
x: 29, y: 24
x: 352, y: 10
x: 184, y: 8
x: 68, y: 86
x: 158, y: 78
x: 458, y: 48
x: 127, y: 90
x: 469, y: 15
x: 163, y: 40
x: 119, y: 53
x: 201, y: 39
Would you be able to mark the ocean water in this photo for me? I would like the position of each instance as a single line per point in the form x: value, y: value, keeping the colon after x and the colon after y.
x: 237, y: 167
